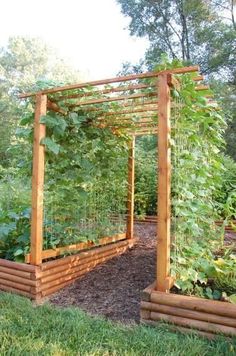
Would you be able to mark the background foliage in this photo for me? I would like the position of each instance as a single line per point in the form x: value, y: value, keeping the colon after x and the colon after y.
x: 86, y: 168
x: 198, y: 32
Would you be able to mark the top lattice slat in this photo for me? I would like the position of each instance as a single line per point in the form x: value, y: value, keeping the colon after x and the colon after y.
x: 115, y: 80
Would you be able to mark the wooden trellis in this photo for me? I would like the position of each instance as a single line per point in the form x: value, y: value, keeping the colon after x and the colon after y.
x: 140, y: 103
x: 144, y: 108
x: 141, y: 98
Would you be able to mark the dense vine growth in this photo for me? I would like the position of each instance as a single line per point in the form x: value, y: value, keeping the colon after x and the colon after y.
x: 86, y: 181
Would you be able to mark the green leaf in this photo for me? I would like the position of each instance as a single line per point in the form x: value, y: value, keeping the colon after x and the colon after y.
x: 27, y: 119
x: 49, y: 121
x: 51, y: 145
x: 18, y: 252
x: 232, y: 298
x: 217, y: 294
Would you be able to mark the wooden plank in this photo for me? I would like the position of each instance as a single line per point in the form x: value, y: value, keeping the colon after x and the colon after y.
x: 81, y: 255
x: 77, y: 247
x: 133, y: 104
x: 145, y: 314
x: 189, y: 314
x: 127, y: 121
x: 133, y: 111
x: 173, y: 82
x: 113, y: 80
x: 38, y: 182
x: 79, y: 262
x: 17, y: 279
x: 15, y: 272
x: 147, y: 132
x: 52, y: 287
x: 130, y: 197
x: 146, y: 293
x: 71, y: 271
x: 19, y: 286
x: 17, y: 266
x: 201, y: 325
x: 164, y: 184
x: 55, y: 107
x: 104, y: 91
x: 194, y: 303
x: 17, y: 291
x: 139, y: 126
x: 111, y: 99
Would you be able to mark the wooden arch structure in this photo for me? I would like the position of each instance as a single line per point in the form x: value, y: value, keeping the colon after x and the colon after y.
x: 142, y: 98
x: 137, y: 104
x: 144, y: 108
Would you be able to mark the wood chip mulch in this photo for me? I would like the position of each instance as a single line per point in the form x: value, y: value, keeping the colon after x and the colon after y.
x: 113, y: 289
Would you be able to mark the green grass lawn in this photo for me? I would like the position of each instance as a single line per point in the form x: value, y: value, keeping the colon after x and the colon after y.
x: 46, y: 330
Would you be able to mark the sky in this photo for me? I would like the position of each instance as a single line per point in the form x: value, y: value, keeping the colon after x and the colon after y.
x: 92, y: 35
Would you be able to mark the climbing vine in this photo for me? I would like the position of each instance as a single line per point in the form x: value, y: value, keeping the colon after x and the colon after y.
x: 86, y: 181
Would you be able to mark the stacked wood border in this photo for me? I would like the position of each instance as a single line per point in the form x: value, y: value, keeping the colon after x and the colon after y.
x: 40, y: 281
x: 207, y: 316
x: 152, y: 219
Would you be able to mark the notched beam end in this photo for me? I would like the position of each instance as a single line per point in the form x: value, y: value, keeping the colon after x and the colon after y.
x: 54, y: 107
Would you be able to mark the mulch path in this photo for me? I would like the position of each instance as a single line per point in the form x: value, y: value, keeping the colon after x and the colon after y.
x: 113, y: 289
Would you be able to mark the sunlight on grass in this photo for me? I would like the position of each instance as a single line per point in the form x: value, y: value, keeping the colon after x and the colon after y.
x: 45, y: 330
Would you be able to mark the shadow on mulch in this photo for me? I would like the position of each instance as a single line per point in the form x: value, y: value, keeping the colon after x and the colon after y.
x: 114, y: 288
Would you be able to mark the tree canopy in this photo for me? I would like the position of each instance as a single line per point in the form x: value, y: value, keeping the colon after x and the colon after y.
x: 191, y: 30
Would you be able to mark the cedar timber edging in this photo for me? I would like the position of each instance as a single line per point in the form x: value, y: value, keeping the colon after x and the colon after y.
x: 209, y: 317
x: 36, y: 282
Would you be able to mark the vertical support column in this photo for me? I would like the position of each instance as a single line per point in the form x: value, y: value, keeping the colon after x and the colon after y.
x: 130, y: 199
x: 164, y: 185
x: 38, y: 182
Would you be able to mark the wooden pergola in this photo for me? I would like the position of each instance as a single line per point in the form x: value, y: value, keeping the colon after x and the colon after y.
x: 142, y: 99
x: 138, y: 104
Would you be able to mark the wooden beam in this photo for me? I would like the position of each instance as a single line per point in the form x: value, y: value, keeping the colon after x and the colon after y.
x: 130, y: 198
x: 143, y: 133
x: 164, y: 185
x: 130, y: 117
x: 173, y: 82
x: 105, y: 91
x: 125, y: 112
x: 106, y: 100
x: 38, y: 181
x: 55, y: 107
x: 134, y: 104
x: 77, y: 247
x: 114, y: 80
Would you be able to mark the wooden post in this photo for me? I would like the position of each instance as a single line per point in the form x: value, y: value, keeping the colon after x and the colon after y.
x: 164, y: 185
x: 38, y: 181
x: 130, y: 199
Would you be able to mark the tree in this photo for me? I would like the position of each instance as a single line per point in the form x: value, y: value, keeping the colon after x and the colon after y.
x: 190, y: 30
x: 25, y: 65
x: 194, y: 31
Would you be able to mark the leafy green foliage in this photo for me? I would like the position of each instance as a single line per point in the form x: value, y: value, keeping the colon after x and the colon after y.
x: 14, y: 216
x: 194, y: 31
x: 146, y: 176
x: 86, y: 185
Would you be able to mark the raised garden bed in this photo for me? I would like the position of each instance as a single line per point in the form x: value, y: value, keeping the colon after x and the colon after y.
x: 207, y: 316
x: 40, y: 281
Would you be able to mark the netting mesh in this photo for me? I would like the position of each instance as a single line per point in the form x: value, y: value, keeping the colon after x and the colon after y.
x: 192, y: 183
x: 88, y: 200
